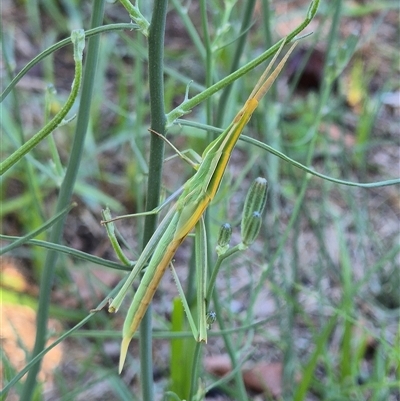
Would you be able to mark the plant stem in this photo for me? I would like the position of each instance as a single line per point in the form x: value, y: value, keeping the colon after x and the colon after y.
x: 186, y: 106
x: 67, y: 41
x: 63, y: 200
x: 157, y: 113
x: 27, y: 146
x: 244, y: 30
x: 240, y: 389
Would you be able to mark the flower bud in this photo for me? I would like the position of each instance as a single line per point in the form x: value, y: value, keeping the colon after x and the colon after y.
x: 255, y: 202
x: 224, y: 236
x: 251, y: 228
x: 211, y: 317
x: 256, y: 198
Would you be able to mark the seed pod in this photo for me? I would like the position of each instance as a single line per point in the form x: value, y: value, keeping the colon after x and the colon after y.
x: 224, y: 236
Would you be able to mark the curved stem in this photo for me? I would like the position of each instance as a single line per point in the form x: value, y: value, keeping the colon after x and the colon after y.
x: 295, y: 163
x: 78, y: 39
x: 187, y: 105
x: 67, y: 41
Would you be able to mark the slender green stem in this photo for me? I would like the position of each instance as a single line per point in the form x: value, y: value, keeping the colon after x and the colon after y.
x: 55, y: 155
x: 32, y: 9
x: 208, y: 57
x: 268, y: 121
x: 31, y: 177
x: 240, y: 43
x: 187, y: 105
x: 88, y: 34
x: 36, y: 232
x: 37, y: 358
x: 78, y: 39
x: 203, y: 262
x: 156, y: 88
x: 183, y: 14
x: 63, y: 200
x: 295, y: 163
x: 168, y: 334
x: 67, y: 251
x: 137, y: 16
x: 214, y: 273
x: 240, y: 387
x: 267, y: 24
x: 195, y: 369
x: 110, y: 228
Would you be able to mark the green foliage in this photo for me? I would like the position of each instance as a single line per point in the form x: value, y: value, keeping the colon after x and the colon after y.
x: 327, y: 253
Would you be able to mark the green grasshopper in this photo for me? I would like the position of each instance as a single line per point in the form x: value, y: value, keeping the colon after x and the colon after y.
x: 197, y: 194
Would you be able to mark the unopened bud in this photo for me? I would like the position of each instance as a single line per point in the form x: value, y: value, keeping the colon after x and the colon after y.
x: 224, y: 237
x: 251, y: 228
x: 255, y: 202
x: 211, y: 317
x: 256, y: 198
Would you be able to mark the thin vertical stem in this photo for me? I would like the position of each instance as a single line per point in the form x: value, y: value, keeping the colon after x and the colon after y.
x: 156, y: 87
x: 246, y: 21
x: 288, y: 372
x: 240, y: 389
x: 64, y: 199
x: 208, y: 58
x: 15, y: 105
